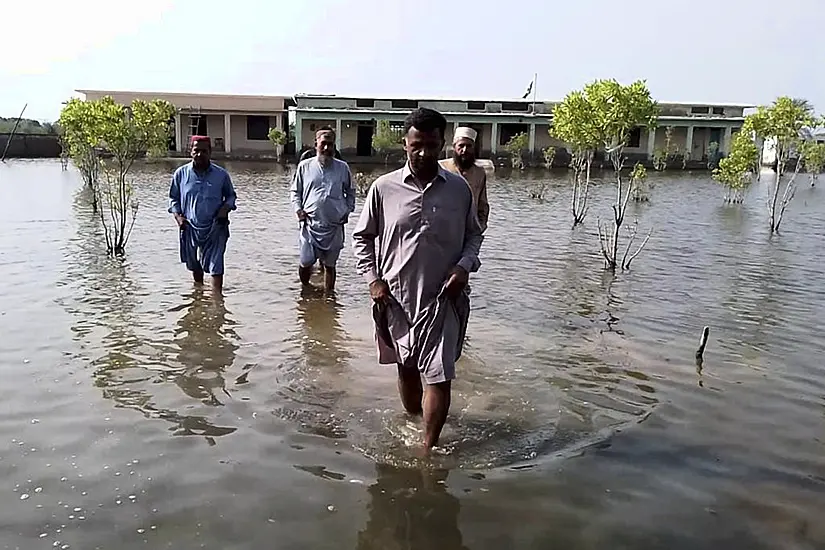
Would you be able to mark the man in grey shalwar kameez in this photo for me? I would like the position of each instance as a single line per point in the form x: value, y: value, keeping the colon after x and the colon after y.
x: 416, y: 242
x: 322, y: 197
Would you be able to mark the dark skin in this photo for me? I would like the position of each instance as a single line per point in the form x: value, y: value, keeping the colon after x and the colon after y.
x: 325, y: 151
x: 201, y: 153
x: 433, y: 400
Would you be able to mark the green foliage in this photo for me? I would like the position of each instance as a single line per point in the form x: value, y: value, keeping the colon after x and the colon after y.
x: 386, y: 139
x: 549, y: 154
x: 735, y: 171
x: 27, y: 126
x: 515, y: 148
x: 814, y: 158
x: 277, y: 137
x: 639, y: 184
x: 106, y: 138
x: 783, y: 123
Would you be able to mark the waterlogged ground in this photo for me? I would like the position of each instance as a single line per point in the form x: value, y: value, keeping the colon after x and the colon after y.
x: 138, y: 412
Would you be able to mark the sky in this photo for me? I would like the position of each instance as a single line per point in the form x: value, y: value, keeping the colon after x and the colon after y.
x: 730, y: 51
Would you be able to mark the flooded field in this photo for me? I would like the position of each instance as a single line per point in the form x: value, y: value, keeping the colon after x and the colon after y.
x: 140, y: 412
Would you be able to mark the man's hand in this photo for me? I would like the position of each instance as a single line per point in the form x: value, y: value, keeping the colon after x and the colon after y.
x: 456, y: 281
x: 181, y: 221
x: 379, y: 291
x: 302, y: 216
x: 223, y: 212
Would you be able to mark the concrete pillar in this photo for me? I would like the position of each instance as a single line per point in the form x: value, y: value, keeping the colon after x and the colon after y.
x: 338, y: 133
x: 726, y: 140
x: 227, y: 133
x: 651, y: 142
x: 689, y: 142
x: 532, y: 140
x: 178, y: 134
x: 299, y: 133
x: 494, y: 139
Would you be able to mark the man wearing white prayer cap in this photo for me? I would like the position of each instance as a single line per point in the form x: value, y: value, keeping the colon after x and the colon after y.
x: 463, y: 163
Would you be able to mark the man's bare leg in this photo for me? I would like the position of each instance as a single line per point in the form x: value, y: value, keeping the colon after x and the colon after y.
x: 197, y: 275
x: 217, y: 284
x: 410, y: 390
x: 304, y: 273
x: 436, y: 407
x: 329, y: 278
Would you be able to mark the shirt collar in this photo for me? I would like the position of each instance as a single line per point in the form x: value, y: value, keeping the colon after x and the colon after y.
x: 406, y: 173
x: 208, y: 168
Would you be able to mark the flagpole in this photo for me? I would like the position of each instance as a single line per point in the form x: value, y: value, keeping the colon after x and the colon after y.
x: 535, y: 86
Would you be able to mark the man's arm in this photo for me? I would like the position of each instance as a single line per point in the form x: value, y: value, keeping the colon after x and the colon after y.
x: 483, y: 205
x: 364, y: 234
x: 229, y: 196
x: 473, y: 237
x: 296, y: 191
x: 174, y: 195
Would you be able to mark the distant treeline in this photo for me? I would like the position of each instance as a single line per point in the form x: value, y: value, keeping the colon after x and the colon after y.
x: 27, y: 126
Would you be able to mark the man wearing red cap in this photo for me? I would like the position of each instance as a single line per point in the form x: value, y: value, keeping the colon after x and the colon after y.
x: 200, y: 198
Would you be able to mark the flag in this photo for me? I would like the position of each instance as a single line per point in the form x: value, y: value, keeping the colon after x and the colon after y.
x: 529, y: 89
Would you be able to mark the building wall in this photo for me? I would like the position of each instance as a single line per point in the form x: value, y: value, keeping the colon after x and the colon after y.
x: 30, y: 146
x: 240, y: 143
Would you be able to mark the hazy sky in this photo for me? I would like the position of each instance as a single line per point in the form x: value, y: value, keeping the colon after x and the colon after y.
x: 699, y: 50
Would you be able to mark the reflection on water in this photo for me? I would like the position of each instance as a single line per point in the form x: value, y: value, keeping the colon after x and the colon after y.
x: 411, y: 508
x: 578, y: 397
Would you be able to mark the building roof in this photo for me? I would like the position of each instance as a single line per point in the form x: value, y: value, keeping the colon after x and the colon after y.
x: 528, y: 100
x: 157, y: 93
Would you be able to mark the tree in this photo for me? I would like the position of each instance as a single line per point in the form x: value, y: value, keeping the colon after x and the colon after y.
x: 515, y: 148
x: 783, y: 123
x: 549, y: 154
x: 616, y: 110
x: 575, y: 124
x: 278, y: 139
x: 385, y: 140
x: 736, y: 171
x: 107, y: 138
x: 814, y: 154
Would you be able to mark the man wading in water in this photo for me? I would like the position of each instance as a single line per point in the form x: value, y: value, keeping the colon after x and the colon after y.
x: 323, y: 198
x: 463, y: 163
x: 200, y: 198
x: 416, y: 242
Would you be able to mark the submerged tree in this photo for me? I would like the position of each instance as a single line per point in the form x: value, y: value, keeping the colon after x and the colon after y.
x: 515, y: 148
x: 736, y: 171
x: 549, y: 154
x: 616, y: 111
x: 277, y: 138
x: 386, y: 140
x: 574, y: 122
x: 782, y: 123
x: 814, y: 154
x: 105, y: 140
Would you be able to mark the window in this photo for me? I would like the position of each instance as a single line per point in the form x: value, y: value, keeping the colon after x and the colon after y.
x: 634, y: 139
x: 365, y: 103
x: 515, y: 106
x: 718, y: 110
x: 257, y: 128
x: 404, y: 104
x: 476, y: 105
x: 699, y: 110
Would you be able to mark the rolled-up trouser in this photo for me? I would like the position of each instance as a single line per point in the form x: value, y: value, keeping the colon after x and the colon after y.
x: 204, y: 254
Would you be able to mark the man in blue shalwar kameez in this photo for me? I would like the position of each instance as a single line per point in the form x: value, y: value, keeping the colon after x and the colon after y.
x: 200, y: 198
x: 323, y: 197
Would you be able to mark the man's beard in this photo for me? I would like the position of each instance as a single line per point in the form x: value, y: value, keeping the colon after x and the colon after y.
x: 463, y: 162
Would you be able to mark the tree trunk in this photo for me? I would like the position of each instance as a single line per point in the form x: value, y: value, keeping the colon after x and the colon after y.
x: 780, y: 168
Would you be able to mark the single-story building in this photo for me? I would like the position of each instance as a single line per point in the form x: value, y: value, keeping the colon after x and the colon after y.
x: 237, y: 124
x: 695, y: 125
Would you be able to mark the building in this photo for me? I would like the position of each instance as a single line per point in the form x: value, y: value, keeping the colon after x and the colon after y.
x: 237, y: 124
x: 695, y: 125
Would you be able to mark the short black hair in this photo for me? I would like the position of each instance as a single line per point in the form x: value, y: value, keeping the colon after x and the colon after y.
x: 426, y: 120
x: 325, y: 128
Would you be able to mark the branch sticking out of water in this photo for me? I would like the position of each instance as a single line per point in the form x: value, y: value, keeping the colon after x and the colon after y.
x: 703, y: 341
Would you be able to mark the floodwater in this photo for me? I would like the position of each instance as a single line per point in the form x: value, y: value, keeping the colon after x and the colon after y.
x: 140, y: 412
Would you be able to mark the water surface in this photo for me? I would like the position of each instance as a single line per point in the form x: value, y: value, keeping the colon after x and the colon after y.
x: 140, y: 412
